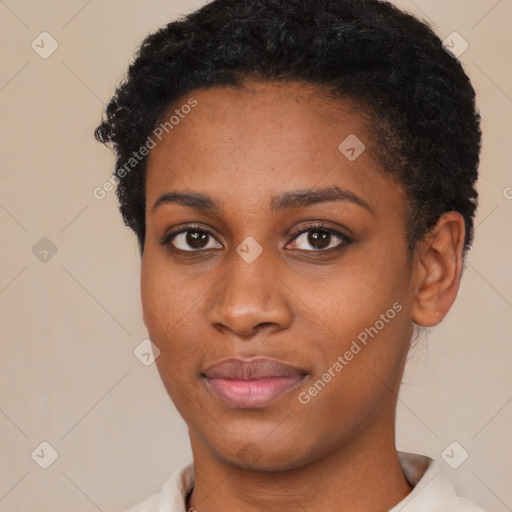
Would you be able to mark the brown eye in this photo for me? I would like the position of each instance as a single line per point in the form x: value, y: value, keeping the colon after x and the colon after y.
x: 319, y: 238
x: 192, y: 240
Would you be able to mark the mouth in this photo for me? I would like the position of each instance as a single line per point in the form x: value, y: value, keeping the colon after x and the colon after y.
x: 253, y: 383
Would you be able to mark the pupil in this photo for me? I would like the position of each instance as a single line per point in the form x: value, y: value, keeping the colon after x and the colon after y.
x: 319, y: 239
x: 196, y: 239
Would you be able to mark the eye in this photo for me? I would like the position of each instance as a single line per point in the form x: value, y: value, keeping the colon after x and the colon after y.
x: 191, y: 239
x: 320, y: 238
x: 195, y: 239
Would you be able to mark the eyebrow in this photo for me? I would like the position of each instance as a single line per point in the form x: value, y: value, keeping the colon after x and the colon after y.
x: 285, y: 201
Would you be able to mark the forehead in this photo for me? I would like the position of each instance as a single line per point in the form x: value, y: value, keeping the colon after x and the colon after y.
x: 262, y: 138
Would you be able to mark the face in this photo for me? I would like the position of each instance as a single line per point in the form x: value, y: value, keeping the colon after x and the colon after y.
x: 294, y: 257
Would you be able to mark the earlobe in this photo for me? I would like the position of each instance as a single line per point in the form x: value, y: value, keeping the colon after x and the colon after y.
x: 438, y: 262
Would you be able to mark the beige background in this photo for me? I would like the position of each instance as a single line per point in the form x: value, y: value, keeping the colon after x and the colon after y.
x: 70, y: 325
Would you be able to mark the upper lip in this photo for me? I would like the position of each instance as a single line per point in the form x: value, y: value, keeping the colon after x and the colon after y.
x: 249, y: 369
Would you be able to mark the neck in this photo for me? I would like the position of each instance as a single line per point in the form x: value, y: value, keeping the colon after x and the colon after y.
x: 362, y: 476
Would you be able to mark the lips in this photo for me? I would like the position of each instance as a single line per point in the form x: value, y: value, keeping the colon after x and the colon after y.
x: 252, y: 383
x: 251, y: 369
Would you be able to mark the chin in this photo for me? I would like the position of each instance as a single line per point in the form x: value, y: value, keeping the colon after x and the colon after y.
x: 264, y: 456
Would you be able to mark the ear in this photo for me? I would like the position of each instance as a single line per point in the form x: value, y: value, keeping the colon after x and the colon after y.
x: 438, y: 269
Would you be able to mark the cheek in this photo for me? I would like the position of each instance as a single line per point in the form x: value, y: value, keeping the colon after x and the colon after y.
x: 354, y: 295
x: 366, y: 378
x: 169, y: 308
x: 365, y: 311
x: 164, y: 300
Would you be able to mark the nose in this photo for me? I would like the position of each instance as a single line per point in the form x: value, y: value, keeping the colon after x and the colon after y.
x: 251, y: 297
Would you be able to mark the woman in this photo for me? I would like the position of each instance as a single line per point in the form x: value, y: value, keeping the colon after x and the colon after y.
x: 300, y: 177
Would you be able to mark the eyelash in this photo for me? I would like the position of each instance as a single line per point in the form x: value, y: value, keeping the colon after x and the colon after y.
x: 345, y: 239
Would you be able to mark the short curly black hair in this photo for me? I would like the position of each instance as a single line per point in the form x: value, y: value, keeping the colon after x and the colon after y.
x: 420, y: 101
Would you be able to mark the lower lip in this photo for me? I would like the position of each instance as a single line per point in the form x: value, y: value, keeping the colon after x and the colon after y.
x: 250, y: 394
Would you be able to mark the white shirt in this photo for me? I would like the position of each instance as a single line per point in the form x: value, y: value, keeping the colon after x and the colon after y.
x: 432, y: 491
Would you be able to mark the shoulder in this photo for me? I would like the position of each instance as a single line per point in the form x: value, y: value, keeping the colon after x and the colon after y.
x: 172, y: 496
x: 148, y: 505
x: 432, y: 491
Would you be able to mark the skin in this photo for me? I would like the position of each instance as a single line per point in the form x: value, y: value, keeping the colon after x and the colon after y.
x: 297, y: 303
